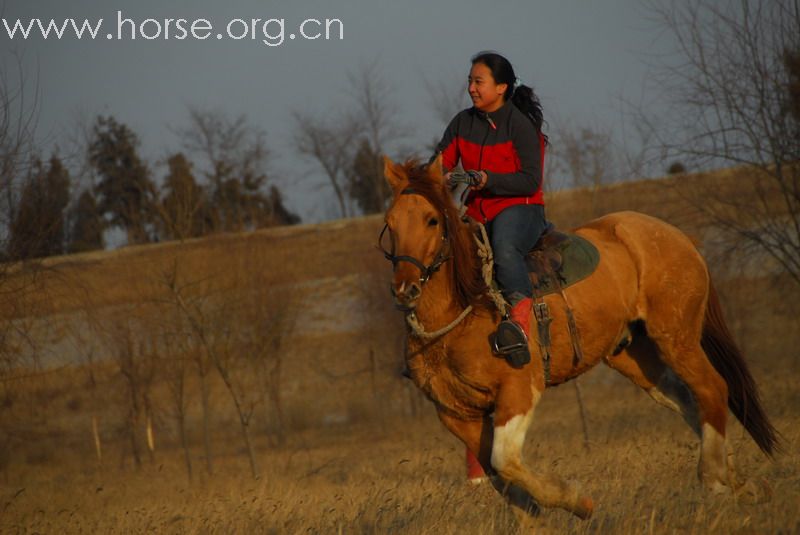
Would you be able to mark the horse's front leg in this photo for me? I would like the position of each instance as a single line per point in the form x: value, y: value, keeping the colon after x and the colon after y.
x: 513, y: 415
x: 477, y: 436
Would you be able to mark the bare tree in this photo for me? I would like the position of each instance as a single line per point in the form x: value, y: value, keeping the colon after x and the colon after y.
x: 329, y: 143
x: 86, y: 224
x: 378, y: 115
x: 731, y: 100
x: 215, y: 324
x: 586, y: 156
x: 447, y: 97
x: 348, y: 146
x: 83, y: 346
x: 234, y: 159
x: 266, y: 320
x: 178, y: 348
x: 126, y: 336
x: 184, y: 297
x: 19, y: 112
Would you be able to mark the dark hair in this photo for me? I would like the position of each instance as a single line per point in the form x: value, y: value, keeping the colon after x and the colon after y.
x: 522, y: 96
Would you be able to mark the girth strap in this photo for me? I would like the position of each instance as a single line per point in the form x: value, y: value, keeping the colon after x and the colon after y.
x: 543, y: 320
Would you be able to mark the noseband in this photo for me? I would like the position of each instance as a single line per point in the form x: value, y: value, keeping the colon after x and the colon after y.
x: 438, y: 260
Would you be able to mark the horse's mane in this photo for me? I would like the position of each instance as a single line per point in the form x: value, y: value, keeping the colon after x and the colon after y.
x: 465, y: 265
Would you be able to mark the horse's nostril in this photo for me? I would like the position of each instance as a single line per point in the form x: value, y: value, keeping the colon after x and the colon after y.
x: 414, y: 291
x: 406, y: 292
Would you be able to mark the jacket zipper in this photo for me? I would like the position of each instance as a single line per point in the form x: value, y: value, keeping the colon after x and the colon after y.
x: 480, y: 161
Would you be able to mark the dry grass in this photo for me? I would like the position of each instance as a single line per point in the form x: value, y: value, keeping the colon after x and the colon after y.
x: 410, y: 479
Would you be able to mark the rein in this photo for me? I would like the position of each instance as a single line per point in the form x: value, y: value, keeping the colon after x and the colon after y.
x: 420, y: 332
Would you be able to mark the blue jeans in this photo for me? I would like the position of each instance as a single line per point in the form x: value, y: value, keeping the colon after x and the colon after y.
x: 512, y: 233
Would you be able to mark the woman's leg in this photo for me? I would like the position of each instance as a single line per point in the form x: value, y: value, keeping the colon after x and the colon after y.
x: 513, y: 233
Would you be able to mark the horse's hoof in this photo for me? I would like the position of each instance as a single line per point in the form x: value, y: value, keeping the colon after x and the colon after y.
x: 753, y: 491
x: 585, y: 507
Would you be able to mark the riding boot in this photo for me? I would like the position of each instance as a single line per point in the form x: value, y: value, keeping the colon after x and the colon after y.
x: 521, y: 315
x: 511, y: 337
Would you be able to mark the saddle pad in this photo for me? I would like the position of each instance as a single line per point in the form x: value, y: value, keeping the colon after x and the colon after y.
x: 579, y: 258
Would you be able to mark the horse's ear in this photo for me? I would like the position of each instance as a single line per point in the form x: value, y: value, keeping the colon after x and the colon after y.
x: 393, y: 175
x: 435, y: 169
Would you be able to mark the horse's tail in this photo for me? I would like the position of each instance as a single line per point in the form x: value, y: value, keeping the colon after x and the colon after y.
x: 727, y: 359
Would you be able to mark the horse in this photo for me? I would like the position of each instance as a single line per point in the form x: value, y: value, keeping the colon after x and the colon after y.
x: 648, y: 311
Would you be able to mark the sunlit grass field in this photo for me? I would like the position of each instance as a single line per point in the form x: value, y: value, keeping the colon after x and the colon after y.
x: 407, y: 476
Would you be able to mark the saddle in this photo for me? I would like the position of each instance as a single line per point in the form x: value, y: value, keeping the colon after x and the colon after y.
x: 557, y: 261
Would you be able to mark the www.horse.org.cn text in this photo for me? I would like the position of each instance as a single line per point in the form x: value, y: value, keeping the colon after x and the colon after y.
x: 270, y: 31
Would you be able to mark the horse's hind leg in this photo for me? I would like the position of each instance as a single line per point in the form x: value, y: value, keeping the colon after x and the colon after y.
x: 640, y: 363
x: 675, y: 324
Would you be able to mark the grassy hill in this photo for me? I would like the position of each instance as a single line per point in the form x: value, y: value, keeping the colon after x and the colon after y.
x: 331, y: 282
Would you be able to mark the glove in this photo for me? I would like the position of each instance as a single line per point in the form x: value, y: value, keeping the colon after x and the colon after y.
x: 475, y: 178
x: 471, y: 178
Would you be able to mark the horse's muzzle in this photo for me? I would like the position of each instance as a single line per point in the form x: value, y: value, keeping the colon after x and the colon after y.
x: 405, y: 296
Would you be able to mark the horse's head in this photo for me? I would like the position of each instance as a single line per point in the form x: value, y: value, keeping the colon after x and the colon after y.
x: 418, y: 227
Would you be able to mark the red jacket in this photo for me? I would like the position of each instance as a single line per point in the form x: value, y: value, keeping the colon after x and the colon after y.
x: 506, y: 145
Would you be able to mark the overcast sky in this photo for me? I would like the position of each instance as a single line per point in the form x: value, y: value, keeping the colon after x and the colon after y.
x: 581, y: 57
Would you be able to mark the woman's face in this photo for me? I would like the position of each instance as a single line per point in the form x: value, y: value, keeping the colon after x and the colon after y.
x: 486, y: 95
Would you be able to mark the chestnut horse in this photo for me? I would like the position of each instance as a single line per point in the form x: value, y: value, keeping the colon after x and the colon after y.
x: 651, y: 288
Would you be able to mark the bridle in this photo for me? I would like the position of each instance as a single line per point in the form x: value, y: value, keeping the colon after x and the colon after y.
x: 426, y: 271
x: 417, y: 329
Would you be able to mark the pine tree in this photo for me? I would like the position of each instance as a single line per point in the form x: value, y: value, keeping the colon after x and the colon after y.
x: 86, y: 225
x: 37, y: 229
x: 280, y: 214
x: 125, y: 194
x: 183, y: 210
x: 366, y: 183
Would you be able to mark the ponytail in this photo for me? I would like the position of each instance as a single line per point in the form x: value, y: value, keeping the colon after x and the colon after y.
x: 528, y: 103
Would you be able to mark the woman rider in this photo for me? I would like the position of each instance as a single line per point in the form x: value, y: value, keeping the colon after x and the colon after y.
x: 500, y: 143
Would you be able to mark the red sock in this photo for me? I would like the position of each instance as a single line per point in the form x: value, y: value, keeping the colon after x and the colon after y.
x: 474, y: 468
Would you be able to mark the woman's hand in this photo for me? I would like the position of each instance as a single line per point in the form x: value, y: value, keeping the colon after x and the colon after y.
x: 482, y: 178
x: 474, y: 179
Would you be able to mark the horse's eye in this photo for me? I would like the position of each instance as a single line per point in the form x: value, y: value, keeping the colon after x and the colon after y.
x: 432, y: 222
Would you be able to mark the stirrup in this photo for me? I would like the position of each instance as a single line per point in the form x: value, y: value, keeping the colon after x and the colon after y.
x: 510, y: 341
